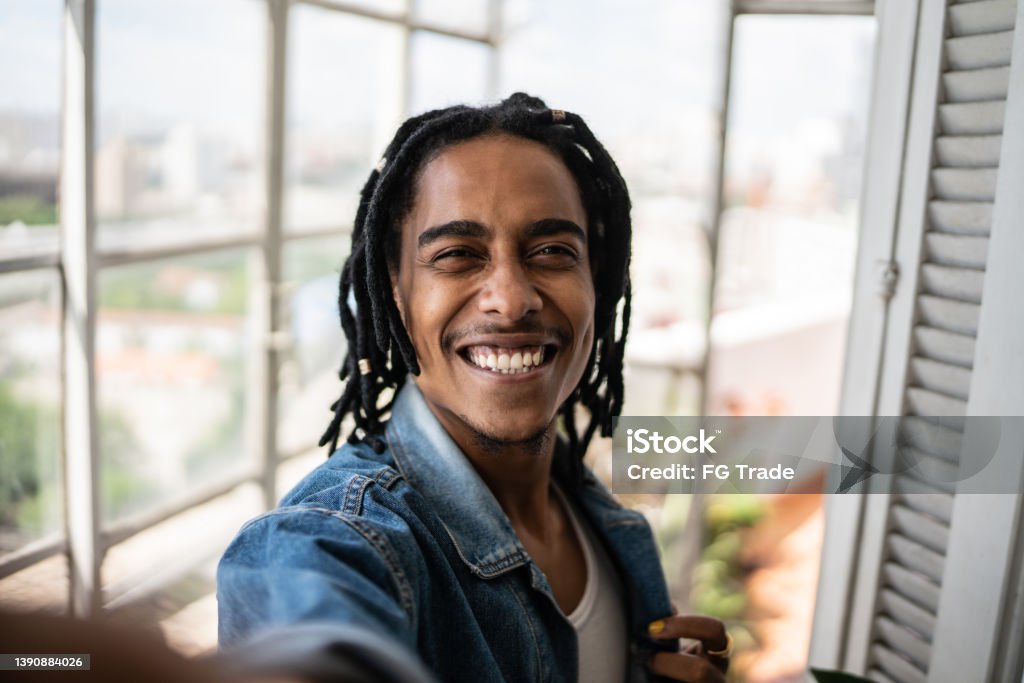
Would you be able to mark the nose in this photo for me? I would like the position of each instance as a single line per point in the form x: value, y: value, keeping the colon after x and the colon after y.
x: 509, y: 291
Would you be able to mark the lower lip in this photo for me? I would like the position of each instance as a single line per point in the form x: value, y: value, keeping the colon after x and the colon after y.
x: 509, y: 379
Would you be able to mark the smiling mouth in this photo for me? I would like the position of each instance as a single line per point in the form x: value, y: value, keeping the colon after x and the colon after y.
x: 508, y: 361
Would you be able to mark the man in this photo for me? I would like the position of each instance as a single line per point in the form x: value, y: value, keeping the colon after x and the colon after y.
x: 486, y: 303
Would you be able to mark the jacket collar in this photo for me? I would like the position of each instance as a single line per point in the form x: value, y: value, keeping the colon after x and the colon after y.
x: 435, y: 466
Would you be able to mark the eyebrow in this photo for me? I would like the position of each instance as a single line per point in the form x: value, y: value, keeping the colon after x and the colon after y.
x: 545, y: 227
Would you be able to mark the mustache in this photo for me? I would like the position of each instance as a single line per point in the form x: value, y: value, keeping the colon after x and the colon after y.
x: 453, y: 337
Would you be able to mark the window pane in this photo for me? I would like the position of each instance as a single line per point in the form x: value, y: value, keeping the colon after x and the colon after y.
x: 645, y: 76
x: 170, y: 363
x: 436, y: 60
x: 344, y: 95
x: 30, y: 417
x: 30, y: 68
x: 789, y: 235
x: 179, y: 119
x: 461, y: 15
x: 309, y: 371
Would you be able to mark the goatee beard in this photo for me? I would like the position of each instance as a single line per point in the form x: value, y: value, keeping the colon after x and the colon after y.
x: 534, y: 444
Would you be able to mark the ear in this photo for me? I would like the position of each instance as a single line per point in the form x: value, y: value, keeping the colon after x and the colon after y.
x: 396, y: 293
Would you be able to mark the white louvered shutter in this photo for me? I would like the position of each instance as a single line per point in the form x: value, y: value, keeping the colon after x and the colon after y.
x: 901, y: 604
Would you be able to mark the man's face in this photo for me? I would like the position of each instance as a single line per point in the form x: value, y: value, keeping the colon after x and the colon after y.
x: 495, y: 289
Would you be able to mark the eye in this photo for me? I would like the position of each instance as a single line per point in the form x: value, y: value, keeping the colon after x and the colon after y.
x: 456, y: 259
x: 555, y: 255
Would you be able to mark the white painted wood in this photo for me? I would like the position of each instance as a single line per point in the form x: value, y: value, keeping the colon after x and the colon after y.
x: 964, y: 184
x: 924, y: 402
x: 979, y: 52
x: 893, y: 65
x: 967, y: 218
x: 974, y: 609
x: 925, y: 498
x: 961, y: 284
x: 963, y: 251
x: 912, y: 585
x: 952, y: 316
x: 962, y: 151
x: 976, y: 85
x: 972, y: 118
x: 904, y: 641
x: 897, y: 667
x: 78, y: 236
x: 949, y: 379
x: 945, y: 346
x: 989, y: 16
x: 916, y: 557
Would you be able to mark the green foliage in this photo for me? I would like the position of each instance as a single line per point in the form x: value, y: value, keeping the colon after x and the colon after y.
x: 28, y: 447
x: 140, y: 287
x: 28, y: 209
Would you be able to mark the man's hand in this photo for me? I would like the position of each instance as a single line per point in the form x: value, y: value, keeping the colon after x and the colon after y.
x: 692, y: 664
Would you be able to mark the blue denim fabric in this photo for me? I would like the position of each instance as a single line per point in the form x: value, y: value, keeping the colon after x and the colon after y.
x: 410, y: 549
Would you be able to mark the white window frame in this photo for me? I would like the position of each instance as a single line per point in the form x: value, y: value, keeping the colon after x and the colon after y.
x: 85, y: 539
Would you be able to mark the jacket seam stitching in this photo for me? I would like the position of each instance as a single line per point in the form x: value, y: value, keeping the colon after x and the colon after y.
x: 387, y: 553
x: 538, y: 674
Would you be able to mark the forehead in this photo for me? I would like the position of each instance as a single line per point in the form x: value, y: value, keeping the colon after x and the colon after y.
x: 497, y: 180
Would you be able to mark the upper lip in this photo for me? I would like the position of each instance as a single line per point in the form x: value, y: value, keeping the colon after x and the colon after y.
x: 507, y: 341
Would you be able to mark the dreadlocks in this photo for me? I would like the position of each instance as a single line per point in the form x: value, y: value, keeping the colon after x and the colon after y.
x: 380, y: 353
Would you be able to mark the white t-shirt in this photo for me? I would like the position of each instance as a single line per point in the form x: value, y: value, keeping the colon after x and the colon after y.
x: 600, y: 617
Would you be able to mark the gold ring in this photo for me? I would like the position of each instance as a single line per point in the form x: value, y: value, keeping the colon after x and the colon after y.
x: 724, y: 652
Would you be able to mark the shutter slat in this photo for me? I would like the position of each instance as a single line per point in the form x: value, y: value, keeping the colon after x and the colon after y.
x: 964, y: 218
x: 982, y: 17
x: 943, y: 377
x: 907, y: 613
x: 961, y: 284
x: 968, y: 151
x: 933, y: 472
x: 951, y: 316
x: 878, y: 676
x: 916, y: 557
x: 931, y: 436
x: 912, y: 585
x: 923, y: 402
x: 976, y: 85
x: 981, y: 51
x: 966, y: 184
x: 945, y: 346
x: 899, y: 668
x: 967, y: 251
x: 924, y: 497
x: 904, y: 641
x: 920, y: 528
x: 972, y: 118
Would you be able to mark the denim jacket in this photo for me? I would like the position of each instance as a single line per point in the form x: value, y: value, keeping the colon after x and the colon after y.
x: 404, y: 560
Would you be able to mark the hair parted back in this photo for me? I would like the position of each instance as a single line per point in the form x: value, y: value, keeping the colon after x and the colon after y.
x: 380, y: 353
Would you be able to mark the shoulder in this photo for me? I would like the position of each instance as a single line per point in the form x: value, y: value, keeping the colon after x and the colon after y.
x: 343, y: 482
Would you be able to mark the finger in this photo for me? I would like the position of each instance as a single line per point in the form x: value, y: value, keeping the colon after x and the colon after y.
x: 709, y: 631
x: 688, y: 668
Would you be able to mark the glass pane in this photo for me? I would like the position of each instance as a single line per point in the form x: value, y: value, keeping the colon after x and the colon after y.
x: 179, y: 119
x: 30, y: 418
x: 462, y: 15
x: 649, y: 93
x: 344, y: 99
x: 171, y: 349
x: 30, y: 68
x: 435, y: 61
x: 788, y: 243
x: 309, y: 371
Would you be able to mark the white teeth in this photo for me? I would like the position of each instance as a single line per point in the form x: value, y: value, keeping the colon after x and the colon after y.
x: 507, y: 362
